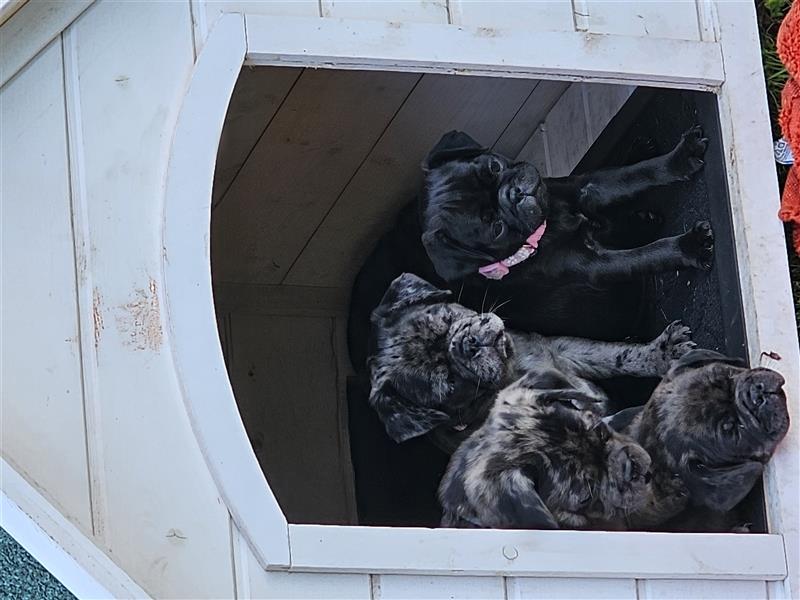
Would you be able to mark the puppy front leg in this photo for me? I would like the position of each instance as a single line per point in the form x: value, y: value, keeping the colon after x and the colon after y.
x: 600, y: 360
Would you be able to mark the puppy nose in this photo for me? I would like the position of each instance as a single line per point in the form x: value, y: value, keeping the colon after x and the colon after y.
x: 765, y: 385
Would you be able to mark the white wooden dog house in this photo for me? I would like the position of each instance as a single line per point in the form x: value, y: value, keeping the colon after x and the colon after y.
x: 122, y: 444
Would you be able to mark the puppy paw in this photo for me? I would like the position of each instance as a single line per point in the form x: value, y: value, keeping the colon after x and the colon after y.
x: 674, y: 342
x: 687, y: 157
x: 697, y: 245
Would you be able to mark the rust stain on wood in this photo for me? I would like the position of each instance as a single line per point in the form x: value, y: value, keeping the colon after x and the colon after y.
x: 139, y: 321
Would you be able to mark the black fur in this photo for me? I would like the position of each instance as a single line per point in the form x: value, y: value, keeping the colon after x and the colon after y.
x: 478, y: 207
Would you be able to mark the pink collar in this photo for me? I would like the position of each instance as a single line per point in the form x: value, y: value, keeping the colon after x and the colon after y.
x: 501, y: 268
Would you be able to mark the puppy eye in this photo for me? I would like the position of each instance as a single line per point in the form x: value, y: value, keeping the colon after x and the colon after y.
x: 495, y: 166
x: 587, y: 497
x: 498, y: 227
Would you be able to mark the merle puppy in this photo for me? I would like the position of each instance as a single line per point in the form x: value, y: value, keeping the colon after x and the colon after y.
x: 543, y: 459
x: 710, y: 427
x: 489, y: 227
x: 436, y: 364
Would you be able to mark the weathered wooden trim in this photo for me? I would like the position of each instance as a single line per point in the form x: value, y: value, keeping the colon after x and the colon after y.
x: 31, y: 29
x: 537, y: 553
x: 761, y: 256
x: 57, y: 544
x: 194, y: 340
x: 423, y: 47
x: 89, y: 329
x: 8, y: 8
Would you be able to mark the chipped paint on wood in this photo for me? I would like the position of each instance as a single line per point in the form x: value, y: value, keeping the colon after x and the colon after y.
x: 139, y: 321
x: 97, y: 316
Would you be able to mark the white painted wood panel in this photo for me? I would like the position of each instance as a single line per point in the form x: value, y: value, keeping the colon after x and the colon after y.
x: 530, y: 15
x: 284, y: 8
x: 688, y: 589
x: 398, y: 11
x: 541, y: 553
x: 166, y: 524
x: 256, y: 98
x: 602, y: 101
x: 324, y: 130
x: 254, y: 582
x: 762, y: 264
x: 32, y: 28
x: 568, y: 135
x: 537, y: 152
x: 40, y: 387
x: 645, y: 18
x: 375, y: 45
x: 565, y: 588
x: 530, y: 116
x: 405, y: 587
x: 391, y: 175
x: 57, y: 544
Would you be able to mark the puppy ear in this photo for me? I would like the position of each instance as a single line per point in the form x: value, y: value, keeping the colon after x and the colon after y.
x: 699, y: 358
x: 407, y: 290
x: 453, y: 145
x: 517, y: 504
x: 620, y: 421
x: 402, y: 419
x: 721, y: 488
x: 451, y: 259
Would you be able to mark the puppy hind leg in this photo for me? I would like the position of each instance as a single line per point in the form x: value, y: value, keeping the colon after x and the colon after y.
x: 603, y: 189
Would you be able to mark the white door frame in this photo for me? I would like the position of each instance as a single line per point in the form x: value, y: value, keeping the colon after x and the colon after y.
x: 342, y: 44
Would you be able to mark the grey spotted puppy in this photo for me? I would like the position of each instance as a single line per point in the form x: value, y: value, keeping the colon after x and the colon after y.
x: 710, y: 427
x: 435, y: 364
x: 544, y: 459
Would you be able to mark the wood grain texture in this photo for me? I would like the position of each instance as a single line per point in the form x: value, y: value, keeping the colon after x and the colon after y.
x: 655, y: 18
x: 567, y: 131
x: 391, y: 175
x: 284, y: 8
x: 403, y: 587
x: 285, y: 375
x: 531, y: 15
x: 31, y: 29
x: 529, y: 117
x: 43, y: 432
x: 571, y: 554
x: 177, y: 543
x: 551, y: 588
x: 427, y: 47
x: 256, y: 98
x: 293, y: 300
x: 537, y: 152
x: 682, y: 589
x: 398, y: 11
x: 325, y: 129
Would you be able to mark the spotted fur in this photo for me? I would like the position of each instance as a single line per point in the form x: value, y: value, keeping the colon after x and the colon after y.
x: 543, y: 460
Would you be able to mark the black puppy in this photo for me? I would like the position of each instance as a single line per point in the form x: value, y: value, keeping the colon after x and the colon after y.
x: 543, y: 460
x: 494, y: 230
x: 710, y: 427
x: 437, y: 364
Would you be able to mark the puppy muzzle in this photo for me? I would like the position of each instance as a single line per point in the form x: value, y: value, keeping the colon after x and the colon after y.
x: 760, y: 393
